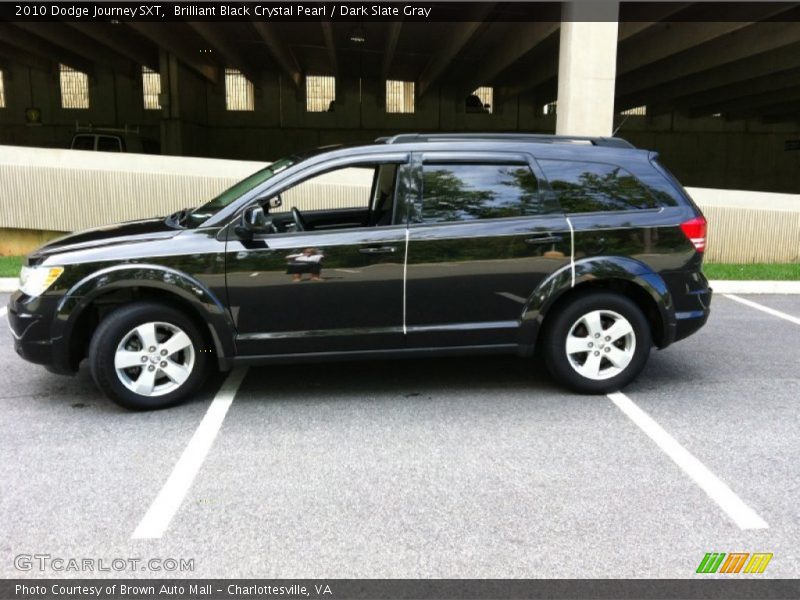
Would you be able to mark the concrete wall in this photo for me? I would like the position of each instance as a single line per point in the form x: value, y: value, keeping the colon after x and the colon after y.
x: 713, y: 152
x: 63, y: 190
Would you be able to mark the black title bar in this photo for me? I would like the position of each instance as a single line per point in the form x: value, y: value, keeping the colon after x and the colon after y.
x: 379, y: 11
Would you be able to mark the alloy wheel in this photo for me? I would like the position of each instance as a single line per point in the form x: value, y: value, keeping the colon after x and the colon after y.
x: 154, y: 359
x: 600, y: 344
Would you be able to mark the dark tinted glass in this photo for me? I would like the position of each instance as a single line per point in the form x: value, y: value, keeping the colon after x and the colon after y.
x: 466, y: 192
x: 108, y: 144
x: 595, y: 187
x: 83, y: 142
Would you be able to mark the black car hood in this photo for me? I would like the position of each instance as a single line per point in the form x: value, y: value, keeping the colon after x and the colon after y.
x: 109, y: 235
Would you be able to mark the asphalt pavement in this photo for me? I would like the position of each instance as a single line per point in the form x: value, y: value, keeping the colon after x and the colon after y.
x: 479, y: 467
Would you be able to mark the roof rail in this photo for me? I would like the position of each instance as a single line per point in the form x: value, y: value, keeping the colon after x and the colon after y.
x: 537, y: 138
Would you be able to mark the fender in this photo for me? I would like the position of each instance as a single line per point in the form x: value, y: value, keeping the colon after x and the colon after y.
x: 128, y: 275
x: 599, y: 269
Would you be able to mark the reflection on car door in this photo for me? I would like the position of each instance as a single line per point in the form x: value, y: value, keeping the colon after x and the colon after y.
x: 480, y: 241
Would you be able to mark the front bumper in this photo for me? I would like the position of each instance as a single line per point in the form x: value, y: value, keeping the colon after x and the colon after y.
x: 30, y: 321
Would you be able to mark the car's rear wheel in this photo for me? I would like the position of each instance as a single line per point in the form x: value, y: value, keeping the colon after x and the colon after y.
x: 596, y: 343
x: 147, y: 355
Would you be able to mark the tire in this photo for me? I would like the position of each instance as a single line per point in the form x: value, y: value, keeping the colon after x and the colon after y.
x: 577, y: 349
x: 160, y: 378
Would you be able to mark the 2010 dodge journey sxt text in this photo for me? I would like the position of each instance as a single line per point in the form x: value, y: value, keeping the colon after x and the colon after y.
x: 584, y: 252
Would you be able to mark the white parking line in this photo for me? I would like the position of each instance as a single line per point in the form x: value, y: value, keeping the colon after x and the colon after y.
x: 169, y: 499
x: 3, y: 311
x: 716, y: 489
x: 762, y: 308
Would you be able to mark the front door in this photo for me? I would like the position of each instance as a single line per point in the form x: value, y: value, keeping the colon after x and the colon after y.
x: 482, y: 237
x: 332, y: 282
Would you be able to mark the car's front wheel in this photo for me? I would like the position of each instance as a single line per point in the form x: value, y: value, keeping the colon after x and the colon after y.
x: 597, y: 343
x: 147, y: 355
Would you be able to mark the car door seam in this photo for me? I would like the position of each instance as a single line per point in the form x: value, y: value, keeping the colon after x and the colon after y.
x: 571, y: 248
x: 405, y: 281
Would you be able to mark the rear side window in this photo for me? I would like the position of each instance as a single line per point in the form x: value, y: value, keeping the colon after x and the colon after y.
x: 596, y: 187
x: 467, y: 192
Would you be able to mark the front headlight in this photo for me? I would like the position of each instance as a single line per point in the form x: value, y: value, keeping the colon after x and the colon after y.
x: 33, y: 281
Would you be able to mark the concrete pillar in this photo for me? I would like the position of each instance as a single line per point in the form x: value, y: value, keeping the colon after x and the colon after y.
x: 587, y: 66
x: 171, y: 142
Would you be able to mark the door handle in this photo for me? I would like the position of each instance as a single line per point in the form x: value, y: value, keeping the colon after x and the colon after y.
x: 545, y: 239
x: 378, y: 250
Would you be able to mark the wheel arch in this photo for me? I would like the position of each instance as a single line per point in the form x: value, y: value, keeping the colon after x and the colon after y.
x: 88, y: 301
x: 622, y: 275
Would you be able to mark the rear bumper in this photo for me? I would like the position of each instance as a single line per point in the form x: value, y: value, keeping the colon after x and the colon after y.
x: 692, y: 305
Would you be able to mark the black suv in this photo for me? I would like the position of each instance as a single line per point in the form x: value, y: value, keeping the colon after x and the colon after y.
x: 582, y: 251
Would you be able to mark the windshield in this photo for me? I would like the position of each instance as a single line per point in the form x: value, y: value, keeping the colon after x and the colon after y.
x: 212, y: 207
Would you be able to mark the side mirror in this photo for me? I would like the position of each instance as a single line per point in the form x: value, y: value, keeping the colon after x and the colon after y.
x: 251, y: 221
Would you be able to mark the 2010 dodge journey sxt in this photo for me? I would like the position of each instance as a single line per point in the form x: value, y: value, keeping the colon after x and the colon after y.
x: 582, y: 252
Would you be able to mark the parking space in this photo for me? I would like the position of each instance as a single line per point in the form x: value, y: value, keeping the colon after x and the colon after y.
x: 478, y: 467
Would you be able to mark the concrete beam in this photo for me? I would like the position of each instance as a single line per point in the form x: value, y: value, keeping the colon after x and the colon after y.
x: 632, y: 13
x: 519, y: 40
x: 164, y: 36
x: 330, y: 45
x: 43, y: 49
x: 793, y: 114
x: 741, y: 44
x: 77, y: 43
x: 715, y: 100
x: 229, y: 51
x: 449, y: 48
x: 120, y: 39
x: 737, y: 73
x: 14, y: 55
x: 587, y: 68
x: 391, y: 45
x: 755, y: 104
x: 784, y: 110
x: 280, y: 51
x: 668, y: 39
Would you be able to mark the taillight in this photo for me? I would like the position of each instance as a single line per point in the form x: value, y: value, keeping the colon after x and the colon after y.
x: 695, y: 230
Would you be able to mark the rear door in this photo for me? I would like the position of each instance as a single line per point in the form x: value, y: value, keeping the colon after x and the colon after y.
x: 482, y: 236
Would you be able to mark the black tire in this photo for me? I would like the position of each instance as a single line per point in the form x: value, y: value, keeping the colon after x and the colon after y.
x: 568, y: 318
x: 116, y: 327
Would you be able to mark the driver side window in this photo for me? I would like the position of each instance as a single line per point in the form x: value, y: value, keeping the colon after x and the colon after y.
x: 359, y: 196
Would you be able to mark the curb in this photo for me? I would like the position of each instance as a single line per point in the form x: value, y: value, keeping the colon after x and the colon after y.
x: 720, y: 286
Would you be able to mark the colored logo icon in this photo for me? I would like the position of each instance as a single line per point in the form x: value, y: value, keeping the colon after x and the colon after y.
x: 736, y: 562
